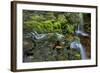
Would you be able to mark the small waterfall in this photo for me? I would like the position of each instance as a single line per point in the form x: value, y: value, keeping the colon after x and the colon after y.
x: 78, y: 46
x: 80, y: 29
x: 38, y: 36
x: 82, y: 50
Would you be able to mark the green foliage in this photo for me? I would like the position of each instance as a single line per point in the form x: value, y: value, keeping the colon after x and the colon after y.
x: 55, y: 22
x: 43, y: 21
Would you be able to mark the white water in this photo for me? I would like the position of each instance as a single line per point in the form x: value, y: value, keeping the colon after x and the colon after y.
x: 43, y: 36
x: 78, y: 46
x: 38, y: 36
x: 80, y: 29
x: 82, y: 51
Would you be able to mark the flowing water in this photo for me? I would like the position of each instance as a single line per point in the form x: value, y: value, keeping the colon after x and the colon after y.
x: 74, y: 45
x: 80, y: 31
x: 78, y: 46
